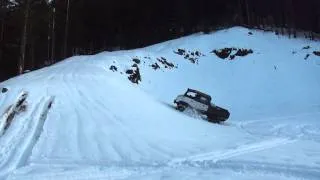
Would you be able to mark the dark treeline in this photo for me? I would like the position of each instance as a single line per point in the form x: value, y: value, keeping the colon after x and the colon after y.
x: 36, y: 33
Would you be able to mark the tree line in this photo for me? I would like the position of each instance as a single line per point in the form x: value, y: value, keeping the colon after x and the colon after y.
x: 37, y: 33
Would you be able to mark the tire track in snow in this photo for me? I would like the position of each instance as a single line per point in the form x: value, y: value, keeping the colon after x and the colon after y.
x: 3, y: 98
x: 11, y: 112
x: 13, y: 140
x: 25, y: 140
x: 242, y: 124
x: 66, y: 86
x: 284, y: 127
x: 216, y: 156
x: 98, y: 104
x: 94, y: 171
x: 222, y: 160
x: 243, y: 166
x: 134, y: 139
x: 74, y: 172
x: 81, y: 102
x: 36, y: 131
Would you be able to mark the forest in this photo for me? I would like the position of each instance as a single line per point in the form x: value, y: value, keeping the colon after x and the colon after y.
x: 38, y: 33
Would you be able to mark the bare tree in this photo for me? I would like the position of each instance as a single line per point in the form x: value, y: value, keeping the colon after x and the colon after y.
x: 240, y: 12
x: 53, y: 33
x: 49, y: 36
x: 2, y: 30
x: 32, y: 46
x: 1, y: 37
x: 24, y: 37
x: 293, y: 18
x: 2, y: 21
x: 248, y: 13
x: 65, y: 49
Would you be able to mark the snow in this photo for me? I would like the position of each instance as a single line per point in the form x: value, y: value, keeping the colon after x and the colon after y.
x: 84, y: 121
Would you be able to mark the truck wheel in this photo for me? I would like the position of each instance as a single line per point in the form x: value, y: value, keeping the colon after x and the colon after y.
x: 213, y: 119
x: 182, y: 106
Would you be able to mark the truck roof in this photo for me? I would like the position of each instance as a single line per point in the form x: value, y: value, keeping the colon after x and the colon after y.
x: 199, y: 92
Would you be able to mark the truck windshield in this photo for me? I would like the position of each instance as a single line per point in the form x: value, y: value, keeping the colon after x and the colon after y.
x: 191, y: 94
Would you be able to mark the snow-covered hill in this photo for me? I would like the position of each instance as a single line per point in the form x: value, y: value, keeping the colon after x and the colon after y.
x: 84, y: 119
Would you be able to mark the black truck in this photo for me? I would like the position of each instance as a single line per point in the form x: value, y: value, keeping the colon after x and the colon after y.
x: 201, y: 102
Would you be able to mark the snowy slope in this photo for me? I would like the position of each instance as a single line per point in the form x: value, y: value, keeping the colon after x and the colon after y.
x: 81, y: 120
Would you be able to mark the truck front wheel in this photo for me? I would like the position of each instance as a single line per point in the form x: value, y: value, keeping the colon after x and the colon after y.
x: 182, y: 106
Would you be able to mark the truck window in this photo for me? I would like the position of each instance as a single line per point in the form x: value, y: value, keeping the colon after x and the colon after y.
x: 204, y: 100
x: 191, y: 94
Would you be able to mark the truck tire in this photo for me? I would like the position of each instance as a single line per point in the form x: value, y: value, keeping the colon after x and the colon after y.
x: 213, y: 119
x: 181, y: 106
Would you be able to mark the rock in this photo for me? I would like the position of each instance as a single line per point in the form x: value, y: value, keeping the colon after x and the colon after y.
x: 192, y: 56
x: 155, y: 66
x: 223, y: 53
x: 317, y: 53
x: 243, y: 52
x: 135, y: 77
x: 307, y: 56
x: 227, y: 52
x: 4, y: 90
x: 193, y: 60
x: 136, y: 60
x: 113, y: 68
x: 306, y: 47
x: 180, y: 52
x: 129, y: 71
x: 165, y: 62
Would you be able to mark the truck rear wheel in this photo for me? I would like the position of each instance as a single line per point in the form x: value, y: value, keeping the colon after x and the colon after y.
x: 213, y: 119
